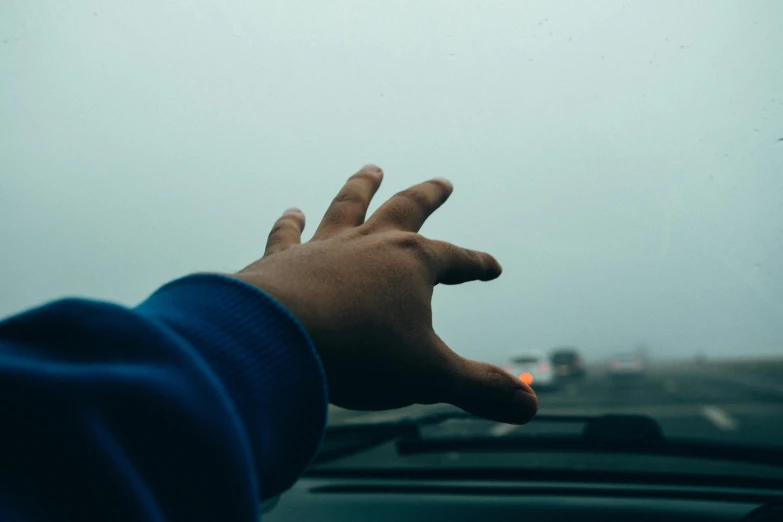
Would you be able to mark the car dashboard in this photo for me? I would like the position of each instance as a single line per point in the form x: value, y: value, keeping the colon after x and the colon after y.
x: 344, y: 498
x: 616, y: 467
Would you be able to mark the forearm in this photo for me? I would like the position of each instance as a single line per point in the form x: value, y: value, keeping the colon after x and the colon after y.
x: 185, y: 407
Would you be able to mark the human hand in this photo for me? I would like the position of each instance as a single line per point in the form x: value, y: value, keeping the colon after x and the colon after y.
x: 363, y: 291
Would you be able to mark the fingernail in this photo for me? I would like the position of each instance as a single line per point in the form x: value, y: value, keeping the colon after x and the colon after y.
x: 525, y: 406
x: 372, y: 169
x: 445, y: 182
x: 292, y: 210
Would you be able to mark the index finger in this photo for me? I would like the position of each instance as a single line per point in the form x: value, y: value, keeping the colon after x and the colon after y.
x: 409, y: 209
x: 457, y: 265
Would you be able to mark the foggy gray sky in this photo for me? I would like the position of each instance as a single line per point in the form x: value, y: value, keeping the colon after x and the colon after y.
x: 620, y: 159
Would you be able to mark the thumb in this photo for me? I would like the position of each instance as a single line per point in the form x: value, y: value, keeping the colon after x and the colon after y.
x: 487, y: 391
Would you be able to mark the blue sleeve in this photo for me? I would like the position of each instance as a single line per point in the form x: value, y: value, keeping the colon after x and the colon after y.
x: 192, y: 406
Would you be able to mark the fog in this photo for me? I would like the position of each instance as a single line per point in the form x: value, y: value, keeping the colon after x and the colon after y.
x: 621, y: 160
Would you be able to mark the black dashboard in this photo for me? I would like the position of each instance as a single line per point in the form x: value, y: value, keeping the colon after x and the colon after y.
x: 345, y: 498
x: 407, y: 472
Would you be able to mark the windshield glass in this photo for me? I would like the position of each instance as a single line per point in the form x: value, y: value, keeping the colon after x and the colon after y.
x: 622, y: 160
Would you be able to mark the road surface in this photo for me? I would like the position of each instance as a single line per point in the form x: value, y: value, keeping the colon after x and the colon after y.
x: 700, y: 402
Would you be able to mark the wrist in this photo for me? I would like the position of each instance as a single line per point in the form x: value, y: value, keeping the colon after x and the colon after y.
x: 265, y: 361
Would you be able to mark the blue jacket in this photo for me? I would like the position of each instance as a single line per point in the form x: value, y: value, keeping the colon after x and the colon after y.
x: 191, y: 406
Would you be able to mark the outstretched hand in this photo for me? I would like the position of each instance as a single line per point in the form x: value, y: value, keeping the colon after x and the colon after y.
x: 363, y: 288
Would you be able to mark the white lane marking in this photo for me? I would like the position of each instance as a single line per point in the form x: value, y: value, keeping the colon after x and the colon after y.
x: 719, y: 418
x: 669, y: 386
x: 498, y: 430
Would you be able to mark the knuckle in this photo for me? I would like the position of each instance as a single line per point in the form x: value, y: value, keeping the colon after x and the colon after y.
x: 475, y: 258
x: 348, y: 196
x: 365, y: 229
x: 283, y: 225
x: 416, y: 197
x: 468, y: 258
x: 417, y: 245
x: 399, y: 213
x: 335, y: 216
x: 409, y: 240
x: 277, y: 229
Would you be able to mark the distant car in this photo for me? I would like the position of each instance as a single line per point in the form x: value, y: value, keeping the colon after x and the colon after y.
x: 533, y: 368
x: 627, y: 367
x: 567, y: 363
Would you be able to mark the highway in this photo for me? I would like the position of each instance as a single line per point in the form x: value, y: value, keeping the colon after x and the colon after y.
x: 699, y: 402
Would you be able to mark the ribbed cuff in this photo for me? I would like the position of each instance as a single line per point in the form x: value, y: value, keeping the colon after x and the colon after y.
x: 265, y: 360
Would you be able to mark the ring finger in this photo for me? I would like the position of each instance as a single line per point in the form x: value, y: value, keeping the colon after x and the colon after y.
x: 409, y: 209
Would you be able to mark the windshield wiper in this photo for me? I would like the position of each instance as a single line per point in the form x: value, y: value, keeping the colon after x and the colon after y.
x: 606, y: 434
x: 603, y: 434
x: 345, y: 439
